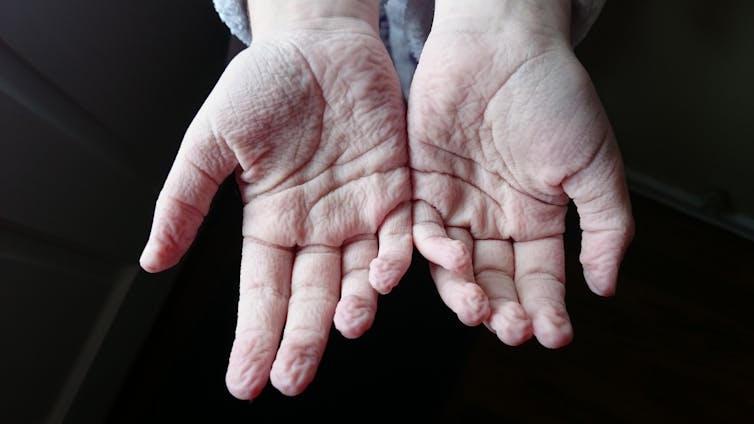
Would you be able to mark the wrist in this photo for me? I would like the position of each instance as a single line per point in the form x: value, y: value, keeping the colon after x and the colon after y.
x: 267, y: 16
x: 543, y: 19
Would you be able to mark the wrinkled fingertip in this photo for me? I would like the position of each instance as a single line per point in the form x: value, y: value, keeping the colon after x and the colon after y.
x: 247, y: 371
x: 243, y: 384
x: 241, y: 390
x: 601, y: 283
x: 385, y: 274
x: 453, y: 255
x: 555, y: 340
x: 155, y: 259
x: 601, y: 256
x: 353, y: 317
x: 553, y: 331
x: 149, y: 259
x: 291, y: 375
x: 511, y: 324
x: 458, y: 257
x: 514, y: 339
x: 473, y: 307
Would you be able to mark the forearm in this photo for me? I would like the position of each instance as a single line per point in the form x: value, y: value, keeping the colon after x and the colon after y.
x: 269, y: 15
x: 548, y: 18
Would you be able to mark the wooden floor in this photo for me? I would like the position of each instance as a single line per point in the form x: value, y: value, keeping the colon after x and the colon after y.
x: 676, y: 344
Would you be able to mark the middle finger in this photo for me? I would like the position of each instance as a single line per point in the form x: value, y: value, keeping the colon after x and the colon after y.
x: 315, y: 288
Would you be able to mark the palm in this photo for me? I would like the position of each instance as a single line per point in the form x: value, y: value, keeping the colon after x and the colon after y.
x: 313, y: 125
x: 305, y: 175
x: 499, y: 143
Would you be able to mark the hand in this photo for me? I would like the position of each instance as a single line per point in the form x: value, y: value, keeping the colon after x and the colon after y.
x: 311, y: 119
x: 505, y: 128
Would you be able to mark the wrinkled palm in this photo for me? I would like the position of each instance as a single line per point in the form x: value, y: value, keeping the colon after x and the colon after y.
x: 501, y: 137
x: 313, y: 125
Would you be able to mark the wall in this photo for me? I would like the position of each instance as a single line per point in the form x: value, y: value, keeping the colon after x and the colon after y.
x: 677, y: 80
x: 94, y: 99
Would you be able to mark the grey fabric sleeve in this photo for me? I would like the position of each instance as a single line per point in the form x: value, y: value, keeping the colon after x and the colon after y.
x: 415, y: 15
x: 235, y: 16
x: 408, y: 24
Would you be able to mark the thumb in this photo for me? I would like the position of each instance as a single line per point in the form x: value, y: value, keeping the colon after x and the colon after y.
x: 202, y: 163
x: 603, y: 204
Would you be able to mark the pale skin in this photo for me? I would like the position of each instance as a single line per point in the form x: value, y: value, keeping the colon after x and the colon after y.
x: 505, y: 128
x: 312, y: 121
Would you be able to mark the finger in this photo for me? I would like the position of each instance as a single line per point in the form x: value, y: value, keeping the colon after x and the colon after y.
x: 433, y: 242
x: 395, y: 250
x: 540, y: 276
x: 357, y: 306
x: 458, y: 290
x: 201, y: 164
x: 262, y: 305
x: 601, y: 196
x: 493, y: 271
x: 315, y: 287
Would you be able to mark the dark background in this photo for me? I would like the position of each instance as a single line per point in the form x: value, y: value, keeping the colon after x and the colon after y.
x: 674, y: 345
x: 94, y: 99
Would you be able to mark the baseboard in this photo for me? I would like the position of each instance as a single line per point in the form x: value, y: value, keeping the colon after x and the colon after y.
x: 714, y: 209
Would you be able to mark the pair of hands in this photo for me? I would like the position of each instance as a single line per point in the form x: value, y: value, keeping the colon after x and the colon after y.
x: 339, y: 182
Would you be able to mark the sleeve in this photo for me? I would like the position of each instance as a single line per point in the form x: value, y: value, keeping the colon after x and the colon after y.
x: 404, y: 27
x: 234, y: 15
x: 410, y: 21
x: 414, y: 17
